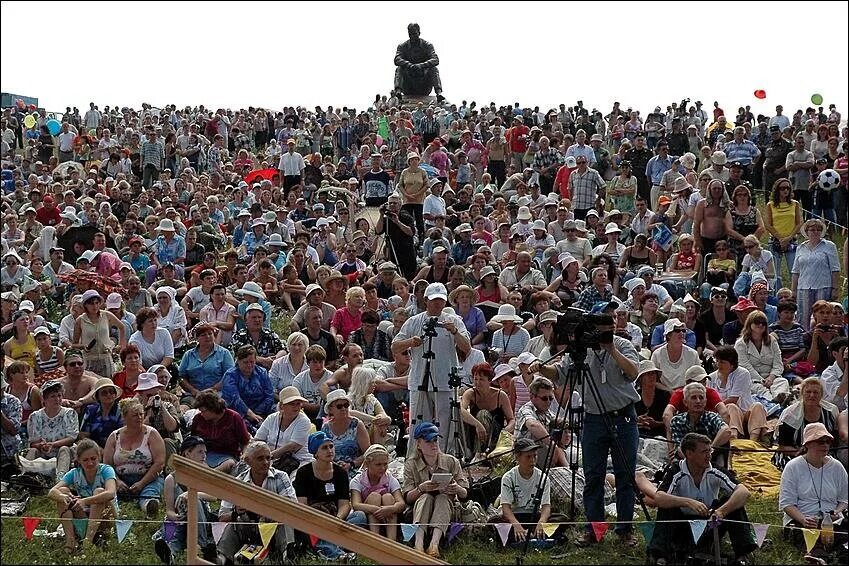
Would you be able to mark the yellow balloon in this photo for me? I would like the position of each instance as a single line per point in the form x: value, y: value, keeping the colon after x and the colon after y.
x: 29, y: 121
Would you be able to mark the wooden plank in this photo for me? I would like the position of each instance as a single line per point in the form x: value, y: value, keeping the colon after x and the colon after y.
x: 291, y: 513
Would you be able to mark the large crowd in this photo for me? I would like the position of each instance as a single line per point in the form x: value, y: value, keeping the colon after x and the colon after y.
x: 351, y: 308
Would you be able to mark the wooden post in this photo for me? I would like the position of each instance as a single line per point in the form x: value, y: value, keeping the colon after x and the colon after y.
x: 192, y: 527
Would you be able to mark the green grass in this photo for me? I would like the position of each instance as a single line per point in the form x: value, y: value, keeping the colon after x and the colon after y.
x: 479, y: 547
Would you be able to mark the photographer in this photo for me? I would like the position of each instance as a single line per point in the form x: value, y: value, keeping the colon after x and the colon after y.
x: 613, y: 367
x: 399, y: 227
x: 159, y: 413
x: 448, y: 334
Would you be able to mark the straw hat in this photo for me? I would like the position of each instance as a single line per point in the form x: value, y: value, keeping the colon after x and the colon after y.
x: 452, y: 297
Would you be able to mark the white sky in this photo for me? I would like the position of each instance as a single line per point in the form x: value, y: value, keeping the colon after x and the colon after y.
x: 341, y: 53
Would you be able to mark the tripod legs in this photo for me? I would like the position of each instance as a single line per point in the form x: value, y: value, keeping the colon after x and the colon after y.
x: 433, y: 406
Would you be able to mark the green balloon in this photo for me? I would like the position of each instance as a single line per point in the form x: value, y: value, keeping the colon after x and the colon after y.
x: 816, y: 99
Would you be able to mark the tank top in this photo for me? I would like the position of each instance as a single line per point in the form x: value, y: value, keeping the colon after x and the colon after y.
x: 783, y: 217
x: 381, y: 487
x: 687, y: 261
x: 634, y: 262
x: 49, y: 364
x: 497, y: 413
x: 523, y: 394
x: 26, y: 404
x: 493, y: 296
x: 745, y: 224
x: 26, y: 352
x: 347, y: 448
x: 136, y: 460
x: 95, y: 331
x: 443, y: 279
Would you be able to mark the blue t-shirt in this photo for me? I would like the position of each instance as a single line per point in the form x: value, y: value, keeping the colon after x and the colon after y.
x: 76, y: 481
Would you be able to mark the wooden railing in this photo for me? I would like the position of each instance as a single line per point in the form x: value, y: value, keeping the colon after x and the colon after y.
x: 197, y: 477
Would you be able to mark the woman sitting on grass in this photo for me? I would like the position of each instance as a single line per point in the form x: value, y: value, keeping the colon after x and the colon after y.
x: 86, y: 492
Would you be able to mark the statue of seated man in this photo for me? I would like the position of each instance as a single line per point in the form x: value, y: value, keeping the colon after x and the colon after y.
x: 416, y: 61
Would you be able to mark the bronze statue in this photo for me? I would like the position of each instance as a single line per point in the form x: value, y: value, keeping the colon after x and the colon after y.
x: 416, y: 61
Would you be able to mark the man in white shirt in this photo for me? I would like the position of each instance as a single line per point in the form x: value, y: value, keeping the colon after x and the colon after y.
x: 66, y: 143
x: 434, y: 204
x: 291, y: 166
x: 834, y: 377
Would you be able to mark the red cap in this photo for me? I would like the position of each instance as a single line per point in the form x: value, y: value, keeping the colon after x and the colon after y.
x: 744, y: 304
x: 49, y: 199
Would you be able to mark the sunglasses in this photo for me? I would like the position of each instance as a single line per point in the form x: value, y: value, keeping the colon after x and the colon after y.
x: 342, y: 405
x: 759, y: 323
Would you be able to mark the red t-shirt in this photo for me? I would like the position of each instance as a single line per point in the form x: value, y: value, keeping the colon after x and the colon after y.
x: 48, y: 216
x: 225, y: 436
x: 345, y: 322
x: 513, y: 136
x: 677, y: 399
x: 561, y: 181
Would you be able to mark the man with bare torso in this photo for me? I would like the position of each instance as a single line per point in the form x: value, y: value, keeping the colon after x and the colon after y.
x: 76, y: 384
x: 709, y: 222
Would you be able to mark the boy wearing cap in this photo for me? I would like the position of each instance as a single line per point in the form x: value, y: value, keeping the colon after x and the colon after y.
x: 518, y: 489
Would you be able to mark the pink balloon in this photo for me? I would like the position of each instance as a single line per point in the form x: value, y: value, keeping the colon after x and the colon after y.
x: 378, y: 139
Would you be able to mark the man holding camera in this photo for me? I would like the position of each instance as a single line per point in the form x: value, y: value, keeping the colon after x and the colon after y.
x: 430, y: 396
x: 609, y: 418
x: 399, y: 227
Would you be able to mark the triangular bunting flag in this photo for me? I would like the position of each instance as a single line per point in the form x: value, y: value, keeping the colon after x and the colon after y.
x: 218, y: 530
x: 30, y: 524
x: 697, y: 526
x: 80, y: 527
x: 760, y: 533
x: 599, y: 528
x: 454, y: 530
x: 122, y: 527
x: 408, y: 531
x: 503, y: 531
x: 549, y: 528
x: 648, y: 530
x: 169, y: 530
x: 313, y: 540
x: 266, y: 531
x: 811, y: 536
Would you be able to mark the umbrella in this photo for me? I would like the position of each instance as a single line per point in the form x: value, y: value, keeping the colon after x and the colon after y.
x: 265, y: 174
x: 430, y: 170
x: 102, y: 284
x: 83, y: 235
x: 64, y: 169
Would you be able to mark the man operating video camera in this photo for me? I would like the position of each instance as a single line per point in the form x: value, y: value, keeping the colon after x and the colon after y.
x: 610, y: 419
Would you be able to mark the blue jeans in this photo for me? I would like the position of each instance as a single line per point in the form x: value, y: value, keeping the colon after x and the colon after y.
x: 153, y: 490
x: 598, y: 441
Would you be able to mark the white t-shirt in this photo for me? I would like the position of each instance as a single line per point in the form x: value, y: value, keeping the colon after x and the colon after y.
x: 812, y: 490
x: 739, y: 384
x: 198, y: 298
x: 434, y: 206
x: 307, y: 388
x: 672, y: 373
x: 298, y: 431
x: 153, y: 353
x: 760, y: 264
x: 519, y: 492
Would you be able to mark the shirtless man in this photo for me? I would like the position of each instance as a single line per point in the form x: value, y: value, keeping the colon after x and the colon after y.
x: 709, y: 222
x: 76, y: 384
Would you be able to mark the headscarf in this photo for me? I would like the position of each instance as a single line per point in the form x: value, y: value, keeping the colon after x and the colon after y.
x: 176, y: 317
x: 46, y: 240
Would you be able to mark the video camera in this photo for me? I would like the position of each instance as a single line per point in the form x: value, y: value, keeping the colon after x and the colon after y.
x: 577, y: 331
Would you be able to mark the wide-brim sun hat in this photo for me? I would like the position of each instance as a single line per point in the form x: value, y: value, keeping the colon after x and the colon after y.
x: 507, y: 313
x: 463, y: 289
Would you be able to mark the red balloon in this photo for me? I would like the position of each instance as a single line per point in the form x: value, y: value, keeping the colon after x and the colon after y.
x: 760, y: 94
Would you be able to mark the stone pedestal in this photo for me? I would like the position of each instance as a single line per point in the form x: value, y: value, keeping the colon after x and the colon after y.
x: 412, y: 102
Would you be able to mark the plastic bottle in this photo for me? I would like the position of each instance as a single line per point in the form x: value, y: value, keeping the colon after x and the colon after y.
x: 827, y: 528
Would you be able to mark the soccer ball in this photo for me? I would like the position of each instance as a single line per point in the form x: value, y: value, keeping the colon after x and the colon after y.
x: 828, y: 180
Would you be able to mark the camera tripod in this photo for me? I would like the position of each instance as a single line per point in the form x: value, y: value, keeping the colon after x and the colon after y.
x: 456, y: 443
x: 427, y: 390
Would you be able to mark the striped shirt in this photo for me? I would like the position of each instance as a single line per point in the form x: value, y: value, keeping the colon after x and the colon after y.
x: 809, y: 264
x: 745, y: 152
x: 276, y: 481
x: 152, y: 153
x: 713, y: 485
